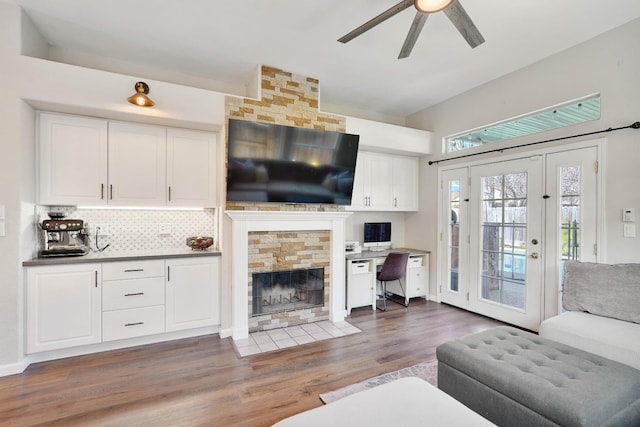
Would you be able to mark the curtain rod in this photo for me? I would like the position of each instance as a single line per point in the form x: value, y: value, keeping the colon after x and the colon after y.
x: 635, y: 125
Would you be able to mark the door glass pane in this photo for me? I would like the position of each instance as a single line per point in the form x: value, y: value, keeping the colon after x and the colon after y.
x: 454, y: 234
x: 570, y: 185
x: 504, y: 235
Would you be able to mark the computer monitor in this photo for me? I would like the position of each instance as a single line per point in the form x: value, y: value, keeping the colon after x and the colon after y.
x: 377, y: 235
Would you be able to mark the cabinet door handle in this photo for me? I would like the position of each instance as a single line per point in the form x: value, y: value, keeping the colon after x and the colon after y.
x: 101, y: 191
x: 134, y: 324
x: 96, y: 278
x: 395, y: 202
x: 110, y: 191
x: 168, y: 273
x: 134, y: 294
x: 134, y: 270
x: 169, y: 193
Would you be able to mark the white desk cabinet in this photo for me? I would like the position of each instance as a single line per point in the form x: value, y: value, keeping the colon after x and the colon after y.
x: 63, y: 306
x: 362, y: 283
x: 193, y: 293
x: 416, y: 280
x: 361, y: 276
x: 72, y: 160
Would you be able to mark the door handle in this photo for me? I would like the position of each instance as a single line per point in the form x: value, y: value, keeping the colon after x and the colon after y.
x: 535, y: 255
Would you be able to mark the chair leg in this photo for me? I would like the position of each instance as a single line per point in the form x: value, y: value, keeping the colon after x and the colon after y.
x: 404, y: 293
x: 383, y: 285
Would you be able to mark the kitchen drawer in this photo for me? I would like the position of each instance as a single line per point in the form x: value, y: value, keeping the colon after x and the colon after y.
x: 132, y: 269
x: 133, y: 293
x: 133, y: 322
x: 360, y: 267
x: 415, y: 262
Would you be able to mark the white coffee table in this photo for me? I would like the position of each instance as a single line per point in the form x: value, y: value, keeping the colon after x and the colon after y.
x: 407, y: 401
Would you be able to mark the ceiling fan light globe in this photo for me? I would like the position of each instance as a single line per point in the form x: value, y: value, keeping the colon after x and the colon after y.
x: 431, y: 6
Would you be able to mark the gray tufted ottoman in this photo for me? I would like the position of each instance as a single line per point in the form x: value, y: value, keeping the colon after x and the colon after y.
x: 516, y: 378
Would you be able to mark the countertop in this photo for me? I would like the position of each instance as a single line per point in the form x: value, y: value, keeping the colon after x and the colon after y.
x: 384, y: 253
x: 121, y: 256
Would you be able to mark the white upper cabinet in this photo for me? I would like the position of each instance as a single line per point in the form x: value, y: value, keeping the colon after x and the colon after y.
x: 191, y: 168
x: 73, y: 160
x: 405, y: 183
x: 87, y: 161
x: 137, y: 164
x: 385, y: 182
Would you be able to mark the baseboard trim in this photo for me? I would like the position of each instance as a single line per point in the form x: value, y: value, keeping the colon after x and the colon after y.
x: 14, y: 368
x: 44, y: 356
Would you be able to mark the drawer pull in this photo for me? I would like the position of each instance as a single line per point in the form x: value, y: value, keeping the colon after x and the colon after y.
x: 131, y: 295
x: 133, y: 270
x: 134, y: 324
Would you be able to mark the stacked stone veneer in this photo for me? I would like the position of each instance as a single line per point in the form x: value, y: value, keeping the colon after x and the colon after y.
x: 290, y: 250
x: 291, y: 100
x: 286, y: 99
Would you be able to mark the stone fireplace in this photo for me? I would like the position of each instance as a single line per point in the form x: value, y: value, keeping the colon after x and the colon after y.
x: 323, y: 233
x: 287, y: 281
x: 287, y: 99
x: 286, y: 291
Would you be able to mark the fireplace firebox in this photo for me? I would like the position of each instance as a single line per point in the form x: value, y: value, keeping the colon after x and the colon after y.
x: 287, y: 290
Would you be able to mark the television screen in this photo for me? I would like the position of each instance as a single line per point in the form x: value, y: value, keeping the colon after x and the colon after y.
x: 275, y: 163
x: 377, y: 235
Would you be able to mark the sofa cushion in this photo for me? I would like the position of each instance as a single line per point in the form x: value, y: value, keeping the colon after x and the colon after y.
x: 603, y: 289
x: 611, y: 338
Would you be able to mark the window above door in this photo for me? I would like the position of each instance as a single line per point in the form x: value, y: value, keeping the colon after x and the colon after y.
x: 570, y: 113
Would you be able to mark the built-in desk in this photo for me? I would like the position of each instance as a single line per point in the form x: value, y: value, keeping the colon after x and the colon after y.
x: 361, y: 277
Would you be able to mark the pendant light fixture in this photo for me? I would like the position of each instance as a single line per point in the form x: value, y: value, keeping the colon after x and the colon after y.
x: 140, y: 98
x: 431, y: 6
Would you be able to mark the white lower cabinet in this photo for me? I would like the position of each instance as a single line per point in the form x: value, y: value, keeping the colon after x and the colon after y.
x: 132, y: 299
x: 132, y: 322
x: 360, y: 284
x: 79, y: 304
x: 192, y: 292
x: 63, y: 306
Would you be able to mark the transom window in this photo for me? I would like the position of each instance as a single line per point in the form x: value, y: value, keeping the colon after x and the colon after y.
x: 567, y: 114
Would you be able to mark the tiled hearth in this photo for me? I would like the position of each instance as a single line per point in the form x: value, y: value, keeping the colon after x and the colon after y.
x: 276, y: 339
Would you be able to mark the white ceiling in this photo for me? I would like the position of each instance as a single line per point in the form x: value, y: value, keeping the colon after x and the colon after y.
x: 221, y: 42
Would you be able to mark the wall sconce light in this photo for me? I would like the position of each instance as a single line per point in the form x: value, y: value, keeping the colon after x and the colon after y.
x: 140, y: 97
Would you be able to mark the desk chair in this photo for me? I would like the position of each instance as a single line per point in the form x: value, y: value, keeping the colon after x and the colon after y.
x: 394, y: 268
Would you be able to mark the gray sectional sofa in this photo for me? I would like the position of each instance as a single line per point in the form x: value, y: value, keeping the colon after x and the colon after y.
x: 602, y: 311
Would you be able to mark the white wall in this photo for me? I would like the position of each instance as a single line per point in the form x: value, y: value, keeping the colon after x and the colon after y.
x: 609, y: 65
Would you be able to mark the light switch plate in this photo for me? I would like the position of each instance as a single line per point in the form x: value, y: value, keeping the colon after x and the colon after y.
x: 2, y: 229
x: 1, y: 212
x: 629, y: 230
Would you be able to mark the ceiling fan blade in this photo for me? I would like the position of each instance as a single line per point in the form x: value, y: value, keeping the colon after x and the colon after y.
x: 404, y: 4
x: 458, y: 16
x: 412, y: 36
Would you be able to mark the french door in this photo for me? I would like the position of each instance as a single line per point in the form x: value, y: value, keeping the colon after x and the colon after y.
x: 507, y: 228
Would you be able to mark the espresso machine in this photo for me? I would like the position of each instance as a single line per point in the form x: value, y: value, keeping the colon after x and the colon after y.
x: 64, y: 237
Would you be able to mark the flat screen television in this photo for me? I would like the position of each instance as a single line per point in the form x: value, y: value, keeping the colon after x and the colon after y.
x: 285, y: 164
x: 377, y: 235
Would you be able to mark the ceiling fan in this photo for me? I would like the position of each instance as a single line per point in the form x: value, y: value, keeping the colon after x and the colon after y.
x: 452, y: 8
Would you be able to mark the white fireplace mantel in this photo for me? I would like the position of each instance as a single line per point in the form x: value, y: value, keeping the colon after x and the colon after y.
x: 243, y: 222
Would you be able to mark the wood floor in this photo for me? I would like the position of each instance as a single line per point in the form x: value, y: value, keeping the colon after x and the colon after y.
x: 201, y: 381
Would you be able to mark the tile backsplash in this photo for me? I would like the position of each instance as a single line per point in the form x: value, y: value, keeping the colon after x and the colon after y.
x: 138, y: 229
